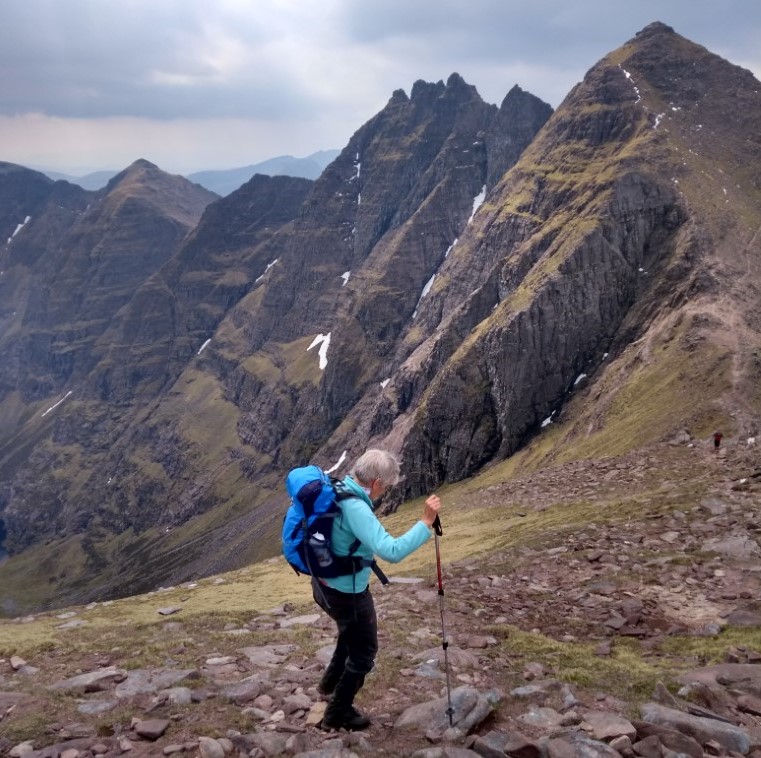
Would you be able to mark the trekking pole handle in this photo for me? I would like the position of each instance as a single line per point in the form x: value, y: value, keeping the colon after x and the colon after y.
x: 437, y: 525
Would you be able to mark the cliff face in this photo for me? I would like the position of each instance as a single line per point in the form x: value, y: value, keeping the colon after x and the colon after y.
x: 459, y: 280
x: 22, y: 193
x: 376, y: 226
x: 176, y: 310
x: 202, y: 386
x: 520, y: 117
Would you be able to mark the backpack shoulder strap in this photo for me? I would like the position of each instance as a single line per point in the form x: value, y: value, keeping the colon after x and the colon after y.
x: 343, y: 493
x: 341, y: 490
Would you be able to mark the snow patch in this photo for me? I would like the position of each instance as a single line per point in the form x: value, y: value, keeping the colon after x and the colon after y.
x: 477, y: 202
x: 579, y: 378
x: 269, y: 266
x: 323, y: 340
x: 53, y: 407
x: 426, y: 290
x: 384, y: 383
x: 357, y: 168
x: 340, y: 461
x: 345, y: 276
x: 449, y: 249
x: 19, y: 227
x: 204, y: 346
x: 629, y: 77
x: 427, y: 287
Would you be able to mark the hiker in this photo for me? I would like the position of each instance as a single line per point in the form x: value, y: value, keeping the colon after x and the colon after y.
x: 347, y: 599
x: 717, y: 440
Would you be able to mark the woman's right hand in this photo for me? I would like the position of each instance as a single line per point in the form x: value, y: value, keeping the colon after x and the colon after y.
x: 431, y: 510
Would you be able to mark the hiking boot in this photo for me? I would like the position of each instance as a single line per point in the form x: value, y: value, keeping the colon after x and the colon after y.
x: 340, y: 713
x: 351, y: 719
x: 357, y: 715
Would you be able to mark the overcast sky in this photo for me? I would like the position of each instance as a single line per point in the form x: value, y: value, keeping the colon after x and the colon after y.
x: 204, y: 84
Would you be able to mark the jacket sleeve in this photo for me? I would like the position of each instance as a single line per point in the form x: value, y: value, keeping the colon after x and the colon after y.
x: 370, y: 532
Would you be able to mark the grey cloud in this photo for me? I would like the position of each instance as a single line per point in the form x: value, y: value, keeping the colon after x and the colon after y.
x: 85, y: 58
x: 90, y: 59
x: 545, y: 32
x: 540, y: 31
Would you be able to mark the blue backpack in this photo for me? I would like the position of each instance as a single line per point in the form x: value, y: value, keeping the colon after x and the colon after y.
x: 308, y: 526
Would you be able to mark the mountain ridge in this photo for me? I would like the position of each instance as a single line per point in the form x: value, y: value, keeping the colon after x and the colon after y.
x: 591, y: 132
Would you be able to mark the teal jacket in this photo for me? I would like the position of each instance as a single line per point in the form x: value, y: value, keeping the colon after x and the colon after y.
x: 358, y: 522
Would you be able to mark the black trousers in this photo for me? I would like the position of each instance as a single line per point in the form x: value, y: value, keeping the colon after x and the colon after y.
x: 354, y: 614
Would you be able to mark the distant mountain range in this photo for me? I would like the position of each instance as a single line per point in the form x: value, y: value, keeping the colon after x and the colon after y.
x: 225, y: 181
x: 94, y: 181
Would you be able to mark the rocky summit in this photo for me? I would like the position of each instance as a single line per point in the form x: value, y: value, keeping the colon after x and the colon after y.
x: 487, y: 291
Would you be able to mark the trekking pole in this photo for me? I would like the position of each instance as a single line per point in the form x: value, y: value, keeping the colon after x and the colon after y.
x: 437, y: 532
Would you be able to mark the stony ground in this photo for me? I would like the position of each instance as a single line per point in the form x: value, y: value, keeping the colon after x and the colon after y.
x: 629, y: 627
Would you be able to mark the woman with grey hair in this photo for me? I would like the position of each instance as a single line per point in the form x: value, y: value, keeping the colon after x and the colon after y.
x: 347, y: 599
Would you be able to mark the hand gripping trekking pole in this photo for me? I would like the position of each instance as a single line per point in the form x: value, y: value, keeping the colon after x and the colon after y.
x: 437, y: 532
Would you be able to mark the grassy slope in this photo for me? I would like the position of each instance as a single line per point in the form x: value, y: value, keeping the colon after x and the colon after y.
x: 505, y: 523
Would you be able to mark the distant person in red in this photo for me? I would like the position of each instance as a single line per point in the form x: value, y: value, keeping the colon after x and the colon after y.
x: 717, y: 440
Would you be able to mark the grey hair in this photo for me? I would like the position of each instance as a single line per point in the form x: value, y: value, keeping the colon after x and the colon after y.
x: 376, y: 464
